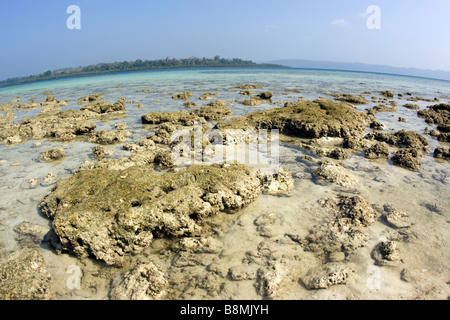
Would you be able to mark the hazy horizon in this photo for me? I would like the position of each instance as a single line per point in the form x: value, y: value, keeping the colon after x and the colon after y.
x: 412, y: 34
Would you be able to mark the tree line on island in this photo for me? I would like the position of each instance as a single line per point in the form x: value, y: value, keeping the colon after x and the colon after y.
x: 138, y: 65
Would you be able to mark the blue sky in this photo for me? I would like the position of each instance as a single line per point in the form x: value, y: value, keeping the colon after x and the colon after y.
x: 35, y: 38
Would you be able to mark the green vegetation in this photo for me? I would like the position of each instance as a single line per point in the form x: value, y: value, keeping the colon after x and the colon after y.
x: 138, y: 65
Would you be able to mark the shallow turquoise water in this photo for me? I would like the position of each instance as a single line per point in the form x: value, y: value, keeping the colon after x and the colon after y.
x: 380, y: 183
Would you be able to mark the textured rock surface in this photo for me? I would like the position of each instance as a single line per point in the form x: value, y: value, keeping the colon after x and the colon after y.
x: 335, y: 173
x: 23, y: 276
x: 53, y: 154
x: 182, y: 96
x: 56, y: 125
x: 144, y: 282
x: 436, y: 114
x: 306, y: 119
x: 328, y: 275
x: 109, y: 213
x: 377, y: 151
x: 346, y: 229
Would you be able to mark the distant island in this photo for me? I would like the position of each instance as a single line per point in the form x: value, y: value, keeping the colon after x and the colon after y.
x: 363, y: 67
x: 138, y: 65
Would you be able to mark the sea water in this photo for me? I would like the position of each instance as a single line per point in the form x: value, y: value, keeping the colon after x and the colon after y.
x: 423, y: 194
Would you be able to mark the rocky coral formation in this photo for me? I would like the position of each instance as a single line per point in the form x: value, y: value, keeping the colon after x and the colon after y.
x: 99, y: 153
x: 344, y: 97
x: 266, y: 95
x: 377, y: 151
x: 106, y: 137
x: 412, y: 146
x: 306, y: 119
x: 182, y: 96
x: 246, y: 92
x: 250, y: 102
x: 408, y: 158
x: 56, y: 125
x: 248, y: 86
x: 411, y: 106
x: 30, y: 235
x: 335, y: 173
x: 53, y: 154
x: 386, y: 253
x: 376, y: 125
x: 213, y: 112
x: 146, y: 281
x: 190, y: 104
x: 436, y: 114
x: 23, y: 276
x: 344, y: 232
x: 183, y: 117
x: 387, y: 94
x: 208, y: 95
x: 395, y: 218
x: 382, y: 108
x: 279, y: 183
x: 327, y: 275
x: 442, y: 153
x: 269, y: 278
x: 109, y: 213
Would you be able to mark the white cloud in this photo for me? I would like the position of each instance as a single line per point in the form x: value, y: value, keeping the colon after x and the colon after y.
x: 340, y: 23
x: 271, y: 27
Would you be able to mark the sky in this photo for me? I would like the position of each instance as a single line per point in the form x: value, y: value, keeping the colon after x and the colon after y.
x: 35, y: 37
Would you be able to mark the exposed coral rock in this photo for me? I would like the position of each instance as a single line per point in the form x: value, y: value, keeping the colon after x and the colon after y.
x: 270, y: 278
x: 377, y: 151
x: 407, y: 158
x: 198, y: 245
x: 395, y: 218
x: 328, y: 275
x: 279, y: 183
x: 306, y: 119
x: 387, y: 93
x: 106, y: 137
x: 64, y: 126
x: 29, y: 234
x: 109, y: 213
x: 144, y: 282
x: 53, y: 154
x: 250, y: 102
x: 182, y: 96
x: 49, y: 179
x: 345, y: 231
x: 99, y: 152
x: 23, y: 276
x: 335, y: 173
x: 246, y: 92
x: 344, y: 97
x: 411, y: 106
x: 386, y: 253
x: 190, y: 104
x: 376, y: 125
x: 384, y: 108
x: 442, y: 153
x: 401, y: 139
x: 214, y: 111
x: 412, y: 146
x: 207, y: 96
x: 248, y: 86
x: 182, y: 117
x: 264, y: 95
x: 436, y: 114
